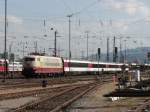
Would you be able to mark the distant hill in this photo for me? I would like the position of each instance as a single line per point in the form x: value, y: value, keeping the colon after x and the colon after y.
x: 132, y: 55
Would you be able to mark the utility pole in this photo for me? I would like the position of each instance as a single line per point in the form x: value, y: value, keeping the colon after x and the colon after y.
x: 69, y: 16
x: 69, y: 50
x: 55, y: 42
x: 87, y: 43
x: 35, y: 46
x: 5, y: 46
x: 114, y: 44
x: 121, y: 56
x: 55, y: 49
x: 107, y: 49
x: 9, y: 52
x: 44, y: 51
x: 82, y: 54
x: 125, y: 52
x: 23, y: 47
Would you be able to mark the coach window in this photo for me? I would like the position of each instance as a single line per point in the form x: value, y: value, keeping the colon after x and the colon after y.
x: 74, y: 64
x: 99, y: 65
x: 38, y: 59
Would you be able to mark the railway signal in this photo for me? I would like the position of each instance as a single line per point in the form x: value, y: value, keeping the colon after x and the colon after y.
x: 99, y: 56
x: 148, y: 56
x: 116, y: 53
x: 99, y: 53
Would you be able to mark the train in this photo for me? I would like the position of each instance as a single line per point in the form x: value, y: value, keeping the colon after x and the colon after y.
x: 41, y: 66
x: 2, y: 66
x: 15, y: 69
x: 12, y: 68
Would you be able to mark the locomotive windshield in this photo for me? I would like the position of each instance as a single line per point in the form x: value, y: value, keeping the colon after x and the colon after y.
x: 29, y: 59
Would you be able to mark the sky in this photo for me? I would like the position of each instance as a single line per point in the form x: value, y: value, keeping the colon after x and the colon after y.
x: 30, y: 20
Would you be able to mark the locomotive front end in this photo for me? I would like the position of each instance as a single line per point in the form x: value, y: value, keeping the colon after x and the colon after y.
x: 28, y: 66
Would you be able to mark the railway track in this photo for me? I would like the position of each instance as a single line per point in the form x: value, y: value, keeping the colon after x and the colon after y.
x: 83, y: 85
x: 144, y: 107
x: 57, y: 101
x: 34, y: 88
x: 34, y: 91
x: 26, y: 83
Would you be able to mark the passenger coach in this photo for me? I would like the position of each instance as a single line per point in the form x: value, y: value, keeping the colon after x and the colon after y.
x: 90, y: 67
x: 2, y: 67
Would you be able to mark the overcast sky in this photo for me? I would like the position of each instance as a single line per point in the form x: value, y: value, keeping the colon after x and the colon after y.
x: 30, y: 20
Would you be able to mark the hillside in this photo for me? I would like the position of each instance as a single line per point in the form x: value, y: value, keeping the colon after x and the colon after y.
x: 132, y: 55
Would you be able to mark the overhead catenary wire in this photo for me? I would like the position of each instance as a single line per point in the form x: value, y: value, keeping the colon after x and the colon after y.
x: 61, y: 17
x: 66, y: 5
